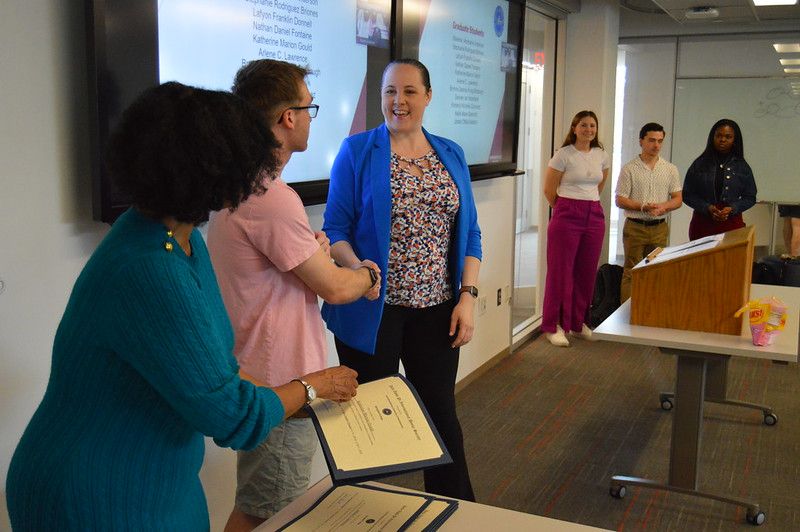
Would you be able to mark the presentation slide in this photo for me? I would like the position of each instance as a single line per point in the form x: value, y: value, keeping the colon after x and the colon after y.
x: 464, y: 45
x: 204, y: 42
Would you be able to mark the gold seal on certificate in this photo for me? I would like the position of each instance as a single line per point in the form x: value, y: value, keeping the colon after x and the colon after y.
x: 383, y: 430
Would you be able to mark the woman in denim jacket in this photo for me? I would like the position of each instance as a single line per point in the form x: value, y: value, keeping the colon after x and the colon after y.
x: 719, y: 184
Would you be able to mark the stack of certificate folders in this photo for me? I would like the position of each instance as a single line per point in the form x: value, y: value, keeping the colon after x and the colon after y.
x: 384, y: 430
x: 366, y: 507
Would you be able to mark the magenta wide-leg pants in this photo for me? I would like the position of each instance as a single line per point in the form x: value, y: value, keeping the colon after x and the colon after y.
x: 574, y: 240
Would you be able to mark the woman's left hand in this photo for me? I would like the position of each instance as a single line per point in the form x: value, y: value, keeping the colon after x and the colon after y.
x: 462, y: 320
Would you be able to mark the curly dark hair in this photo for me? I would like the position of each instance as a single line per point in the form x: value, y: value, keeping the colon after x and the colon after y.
x: 181, y: 151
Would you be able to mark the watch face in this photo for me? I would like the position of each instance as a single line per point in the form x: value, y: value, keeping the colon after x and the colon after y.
x: 311, y: 393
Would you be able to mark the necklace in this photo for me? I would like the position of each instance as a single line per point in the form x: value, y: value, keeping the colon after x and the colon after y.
x: 407, y: 164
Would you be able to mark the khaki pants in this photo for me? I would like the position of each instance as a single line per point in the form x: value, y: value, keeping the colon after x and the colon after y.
x: 639, y: 240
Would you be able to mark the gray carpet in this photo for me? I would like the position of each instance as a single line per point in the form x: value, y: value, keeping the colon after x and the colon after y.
x: 547, y: 427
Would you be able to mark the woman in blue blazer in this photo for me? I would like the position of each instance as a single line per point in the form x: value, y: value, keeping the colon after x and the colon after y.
x: 401, y: 198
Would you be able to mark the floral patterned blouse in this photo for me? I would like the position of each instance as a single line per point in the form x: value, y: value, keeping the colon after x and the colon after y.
x: 423, y: 217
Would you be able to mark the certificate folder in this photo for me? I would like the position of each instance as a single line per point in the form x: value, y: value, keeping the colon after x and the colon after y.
x: 363, y: 507
x: 384, y: 430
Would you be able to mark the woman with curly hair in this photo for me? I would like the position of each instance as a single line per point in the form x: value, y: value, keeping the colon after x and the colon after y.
x: 142, y: 363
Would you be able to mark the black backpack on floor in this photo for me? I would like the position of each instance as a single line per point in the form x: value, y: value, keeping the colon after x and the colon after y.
x: 606, y: 294
x: 769, y: 270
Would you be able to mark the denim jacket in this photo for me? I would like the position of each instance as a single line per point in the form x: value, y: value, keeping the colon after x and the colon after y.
x: 738, y: 190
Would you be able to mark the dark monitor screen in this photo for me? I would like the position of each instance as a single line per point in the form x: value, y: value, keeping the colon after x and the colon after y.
x: 469, y: 47
x: 345, y: 44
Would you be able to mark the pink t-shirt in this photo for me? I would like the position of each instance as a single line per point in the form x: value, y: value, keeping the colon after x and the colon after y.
x: 276, y: 319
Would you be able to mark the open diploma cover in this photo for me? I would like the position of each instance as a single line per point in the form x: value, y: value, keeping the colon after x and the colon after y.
x: 383, y: 430
x: 360, y: 507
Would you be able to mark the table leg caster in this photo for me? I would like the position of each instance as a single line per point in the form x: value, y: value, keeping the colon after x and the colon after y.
x: 755, y: 517
x: 618, y: 492
x: 666, y: 402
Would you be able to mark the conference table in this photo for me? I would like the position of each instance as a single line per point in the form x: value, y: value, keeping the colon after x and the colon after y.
x: 702, y: 366
x: 468, y: 516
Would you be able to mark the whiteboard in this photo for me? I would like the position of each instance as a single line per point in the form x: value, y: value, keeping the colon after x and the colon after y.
x: 768, y: 112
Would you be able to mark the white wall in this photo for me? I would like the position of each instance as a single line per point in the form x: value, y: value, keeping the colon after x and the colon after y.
x: 47, y: 232
x: 590, y: 77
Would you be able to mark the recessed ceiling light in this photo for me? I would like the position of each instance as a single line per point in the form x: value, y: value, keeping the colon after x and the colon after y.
x: 785, y: 62
x: 787, y: 48
x: 792, y: 70
x: 763, y: 3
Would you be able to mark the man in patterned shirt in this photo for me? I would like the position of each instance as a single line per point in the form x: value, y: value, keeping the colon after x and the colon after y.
x: 648, y: 188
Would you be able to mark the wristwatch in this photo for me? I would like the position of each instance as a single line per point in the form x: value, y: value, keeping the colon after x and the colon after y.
x: 311, y: 393
x: 373, y: 276
x: 471, y: 290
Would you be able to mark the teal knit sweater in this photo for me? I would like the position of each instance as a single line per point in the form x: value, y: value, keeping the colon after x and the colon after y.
x: 142, y: 368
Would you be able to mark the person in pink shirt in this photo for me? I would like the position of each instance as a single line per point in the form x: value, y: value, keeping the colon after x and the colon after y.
x: 271, y: 266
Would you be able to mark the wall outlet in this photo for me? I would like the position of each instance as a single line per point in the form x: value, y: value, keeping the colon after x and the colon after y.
x: 499, y: 296
x: 481, y: 305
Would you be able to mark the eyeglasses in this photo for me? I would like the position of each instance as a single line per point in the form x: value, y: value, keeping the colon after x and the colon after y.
x: 312, y: 109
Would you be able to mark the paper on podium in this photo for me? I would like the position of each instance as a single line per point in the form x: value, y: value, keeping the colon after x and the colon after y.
x: 359, y: 507
x: 682, y: 250
x: 383, y: 430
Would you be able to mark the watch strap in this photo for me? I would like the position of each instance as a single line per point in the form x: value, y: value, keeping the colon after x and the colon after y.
x: 307, y: 387
x: 471, y: 290
x: 373, y: 276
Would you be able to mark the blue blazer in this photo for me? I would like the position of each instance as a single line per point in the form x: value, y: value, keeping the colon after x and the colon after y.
x: 359, y: 212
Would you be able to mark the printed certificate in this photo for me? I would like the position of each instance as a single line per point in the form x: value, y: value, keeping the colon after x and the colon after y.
x: 383, y: 430
x: 354, y: 507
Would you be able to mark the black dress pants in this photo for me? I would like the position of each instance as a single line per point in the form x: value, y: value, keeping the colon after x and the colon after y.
x: 419, y: 337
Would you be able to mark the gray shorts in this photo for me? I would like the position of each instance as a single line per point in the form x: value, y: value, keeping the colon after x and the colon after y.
x: 277, y: 471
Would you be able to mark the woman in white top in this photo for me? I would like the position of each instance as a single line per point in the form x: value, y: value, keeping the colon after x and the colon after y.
x: 575, y: 177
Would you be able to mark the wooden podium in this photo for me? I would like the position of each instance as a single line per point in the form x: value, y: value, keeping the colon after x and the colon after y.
x: 695, y: 290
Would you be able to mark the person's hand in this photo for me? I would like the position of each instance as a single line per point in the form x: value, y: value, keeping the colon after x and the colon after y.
x: 337, y: 383
x: 657, y: 209
x: 375, y: 292
x: 462, y: 321
x: 719, y: 215
x: 324, y: 242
